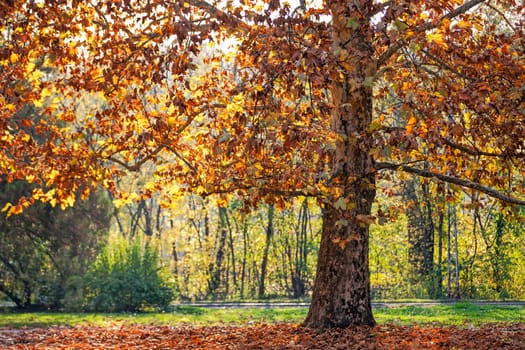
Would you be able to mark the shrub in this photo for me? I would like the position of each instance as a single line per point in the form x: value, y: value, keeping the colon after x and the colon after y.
x: 127, y: 277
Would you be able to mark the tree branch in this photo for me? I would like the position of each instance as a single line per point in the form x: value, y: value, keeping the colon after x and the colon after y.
x: 424, y: 27
x: 453, y: 180
x: 477, y: 152
x: 238, y: 24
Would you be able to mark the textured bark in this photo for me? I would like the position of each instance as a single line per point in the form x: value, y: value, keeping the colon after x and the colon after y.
x: 341, y: 294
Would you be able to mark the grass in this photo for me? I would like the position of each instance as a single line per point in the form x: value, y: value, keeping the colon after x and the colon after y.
x: 454, y: 314
x: 451, y: 314
x: 185, y: 314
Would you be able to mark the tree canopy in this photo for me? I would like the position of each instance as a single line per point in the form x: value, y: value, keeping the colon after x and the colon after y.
x: 267, y: 99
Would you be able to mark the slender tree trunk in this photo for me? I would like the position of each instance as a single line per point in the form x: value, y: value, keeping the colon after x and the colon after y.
x: 441, y: 219
x: 428, y: 236
x: 420, y: 227
x: 457, y: 292
x: 499, y: 256
x: 217, y: 268
x: 449, y: 266
x: 148, y: 220
x: 341, y: 293
x: 232, y: 251
x: 298, y: 283
x: 264, y: 262
x: 244, y: 255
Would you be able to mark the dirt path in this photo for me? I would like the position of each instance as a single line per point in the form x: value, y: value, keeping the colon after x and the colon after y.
x: 375, y: 305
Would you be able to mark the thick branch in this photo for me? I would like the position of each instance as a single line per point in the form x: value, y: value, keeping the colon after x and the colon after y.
x: 424, y: 27
x: 453, y: 180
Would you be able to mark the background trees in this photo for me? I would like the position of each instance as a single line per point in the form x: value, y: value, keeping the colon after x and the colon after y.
x: 45, y: 251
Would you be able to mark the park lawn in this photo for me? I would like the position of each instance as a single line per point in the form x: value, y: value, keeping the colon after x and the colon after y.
x: 460, y: 314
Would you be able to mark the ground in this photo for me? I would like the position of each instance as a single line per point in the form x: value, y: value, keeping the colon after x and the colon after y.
x: 264, y: 336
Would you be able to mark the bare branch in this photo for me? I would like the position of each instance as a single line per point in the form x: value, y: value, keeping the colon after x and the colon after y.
x: 453, y: 180
x: 138, y: 164
x: 184, y: 160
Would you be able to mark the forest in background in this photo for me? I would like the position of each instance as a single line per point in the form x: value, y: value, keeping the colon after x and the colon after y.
x: 424, y: 244
x: 429, y: 240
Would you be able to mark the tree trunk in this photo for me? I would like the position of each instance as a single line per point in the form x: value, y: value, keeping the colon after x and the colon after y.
x: 449, y: 266
x: 441, y: 235
x: 457, y: 292
x: 341, y: 294
x: 420, y: 227
x: 244, y: 255
x: 232, y: 251
x: 216, y: 269
x: 264, y: 263
x: 301, y: 252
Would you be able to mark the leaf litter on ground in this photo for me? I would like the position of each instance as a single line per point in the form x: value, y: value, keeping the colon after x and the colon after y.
x: 265, y: 336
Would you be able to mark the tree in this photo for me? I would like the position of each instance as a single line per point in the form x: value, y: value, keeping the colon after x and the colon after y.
x: 420, y: 227
x: 270, y: 100
x: 45, y: 251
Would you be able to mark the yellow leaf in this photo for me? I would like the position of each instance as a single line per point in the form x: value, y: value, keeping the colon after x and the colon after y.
x: 120, y: 202
x: 172, y: 120
x: 45, y: 92
x: 464, y: 24
x: 446, y: 23
x: 14, y: 58
x: 410, y: 125
x: 69, y: 202
x: 39, y: 103
x: 30, y: 178
x: 15, y: 210
x: 6, y: 207
x: 438, y: 39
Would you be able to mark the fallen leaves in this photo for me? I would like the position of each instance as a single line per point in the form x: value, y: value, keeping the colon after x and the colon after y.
x: 263, y: 336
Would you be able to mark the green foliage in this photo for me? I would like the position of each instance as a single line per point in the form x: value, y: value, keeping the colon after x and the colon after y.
x: 127, y: 277
x: 45, y: 251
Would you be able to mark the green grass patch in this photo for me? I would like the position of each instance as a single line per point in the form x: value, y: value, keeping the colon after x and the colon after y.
x: 448, y: 314
x: 451, y: 314
x: 179, y: 315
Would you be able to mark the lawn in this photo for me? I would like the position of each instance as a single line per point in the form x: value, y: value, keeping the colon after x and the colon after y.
x: 457, y: 314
